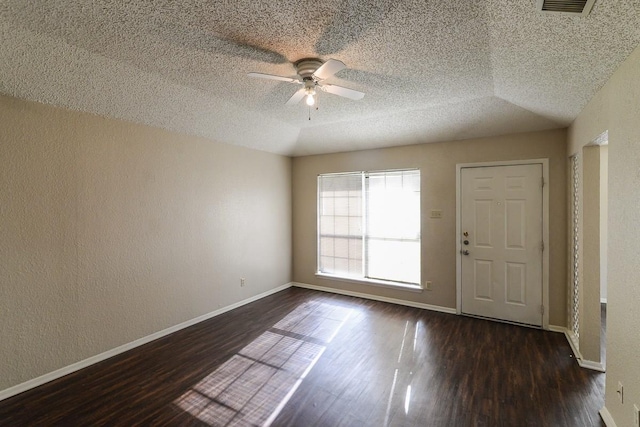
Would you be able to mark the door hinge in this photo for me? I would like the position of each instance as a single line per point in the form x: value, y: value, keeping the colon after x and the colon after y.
x: 542, y: 309
x: 542, y: 181
x: 542, y: 246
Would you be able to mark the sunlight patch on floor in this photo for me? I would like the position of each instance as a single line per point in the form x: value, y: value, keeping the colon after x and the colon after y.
x: 252, y: 387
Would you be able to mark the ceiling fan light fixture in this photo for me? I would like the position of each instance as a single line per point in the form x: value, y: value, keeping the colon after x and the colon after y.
x: 310, y: 91
x: 310, y: 100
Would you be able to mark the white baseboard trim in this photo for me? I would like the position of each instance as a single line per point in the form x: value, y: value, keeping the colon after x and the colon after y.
x: 603, y: 300
x: 590, y: 364
x: 35, y: 382
x: 376, y: 298
x: 606, y: 417
x: 587, y: 364
x: 572, y: 344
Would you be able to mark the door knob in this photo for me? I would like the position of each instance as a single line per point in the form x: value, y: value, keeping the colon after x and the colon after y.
x: 464, y: 252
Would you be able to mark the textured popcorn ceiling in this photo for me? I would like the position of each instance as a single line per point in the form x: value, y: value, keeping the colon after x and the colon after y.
x: 432, y: 70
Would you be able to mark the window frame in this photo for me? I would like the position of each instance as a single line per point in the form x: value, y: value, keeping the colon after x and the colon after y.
x: 415, y: 287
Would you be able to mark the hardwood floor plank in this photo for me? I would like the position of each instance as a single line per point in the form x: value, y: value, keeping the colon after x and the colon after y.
x: 368, y: 363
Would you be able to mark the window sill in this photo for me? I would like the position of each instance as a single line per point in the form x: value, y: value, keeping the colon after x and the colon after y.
x: 374, y: 282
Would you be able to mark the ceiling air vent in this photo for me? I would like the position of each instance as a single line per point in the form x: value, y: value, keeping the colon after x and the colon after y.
x: 573, y: 7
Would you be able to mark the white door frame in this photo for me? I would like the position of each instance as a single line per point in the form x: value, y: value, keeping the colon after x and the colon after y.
x: 545, y: 229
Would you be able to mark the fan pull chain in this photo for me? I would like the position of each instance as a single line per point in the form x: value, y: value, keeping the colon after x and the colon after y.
x: 317, y: 106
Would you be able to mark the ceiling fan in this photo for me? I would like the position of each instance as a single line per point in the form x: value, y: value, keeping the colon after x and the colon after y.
x: 311, y: 72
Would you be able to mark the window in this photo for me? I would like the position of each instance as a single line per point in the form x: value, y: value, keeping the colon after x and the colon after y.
x: 369, y: 226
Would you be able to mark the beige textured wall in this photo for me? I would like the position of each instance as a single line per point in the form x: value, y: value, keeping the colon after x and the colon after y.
x: 616, y: 108
x: 437, y: 163
x: 111, y: 231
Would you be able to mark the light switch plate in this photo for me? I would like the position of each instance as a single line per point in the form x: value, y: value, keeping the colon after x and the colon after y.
x: 436, y: 213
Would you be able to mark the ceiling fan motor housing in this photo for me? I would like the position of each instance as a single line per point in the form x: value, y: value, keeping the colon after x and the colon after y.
x: 306, y: 67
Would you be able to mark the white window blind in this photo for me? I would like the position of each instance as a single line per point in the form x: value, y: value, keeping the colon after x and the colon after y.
x: 340, y: 224
x: 369, y: 225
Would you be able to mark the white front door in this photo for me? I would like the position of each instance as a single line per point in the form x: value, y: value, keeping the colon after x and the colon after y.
x: 501, y: 240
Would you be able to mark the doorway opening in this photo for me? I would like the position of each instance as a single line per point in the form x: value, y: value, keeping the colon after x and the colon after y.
x: 604, y: 220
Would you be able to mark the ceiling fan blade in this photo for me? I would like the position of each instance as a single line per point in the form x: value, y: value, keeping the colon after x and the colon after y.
x: 328, y: 69
x: 272, y: 77
x: 342, y: 91
x: 296, y: 97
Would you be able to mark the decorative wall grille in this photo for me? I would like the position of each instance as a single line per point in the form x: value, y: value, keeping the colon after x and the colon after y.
x: 574, y: 292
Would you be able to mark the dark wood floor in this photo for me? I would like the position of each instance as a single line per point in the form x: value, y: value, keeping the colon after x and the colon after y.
x: 335, y: 361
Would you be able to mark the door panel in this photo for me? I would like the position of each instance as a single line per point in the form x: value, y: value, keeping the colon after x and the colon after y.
x: 516, y: 211
x: 502, y: 213
x: 483, y: 220
x: 483, y: 278
x: 516, y: 282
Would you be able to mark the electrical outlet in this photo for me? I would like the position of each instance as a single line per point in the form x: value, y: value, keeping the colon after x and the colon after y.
x: 620, y: 392
x: 241, y: 281
x: 428, y: 285
x: 636, y: 416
